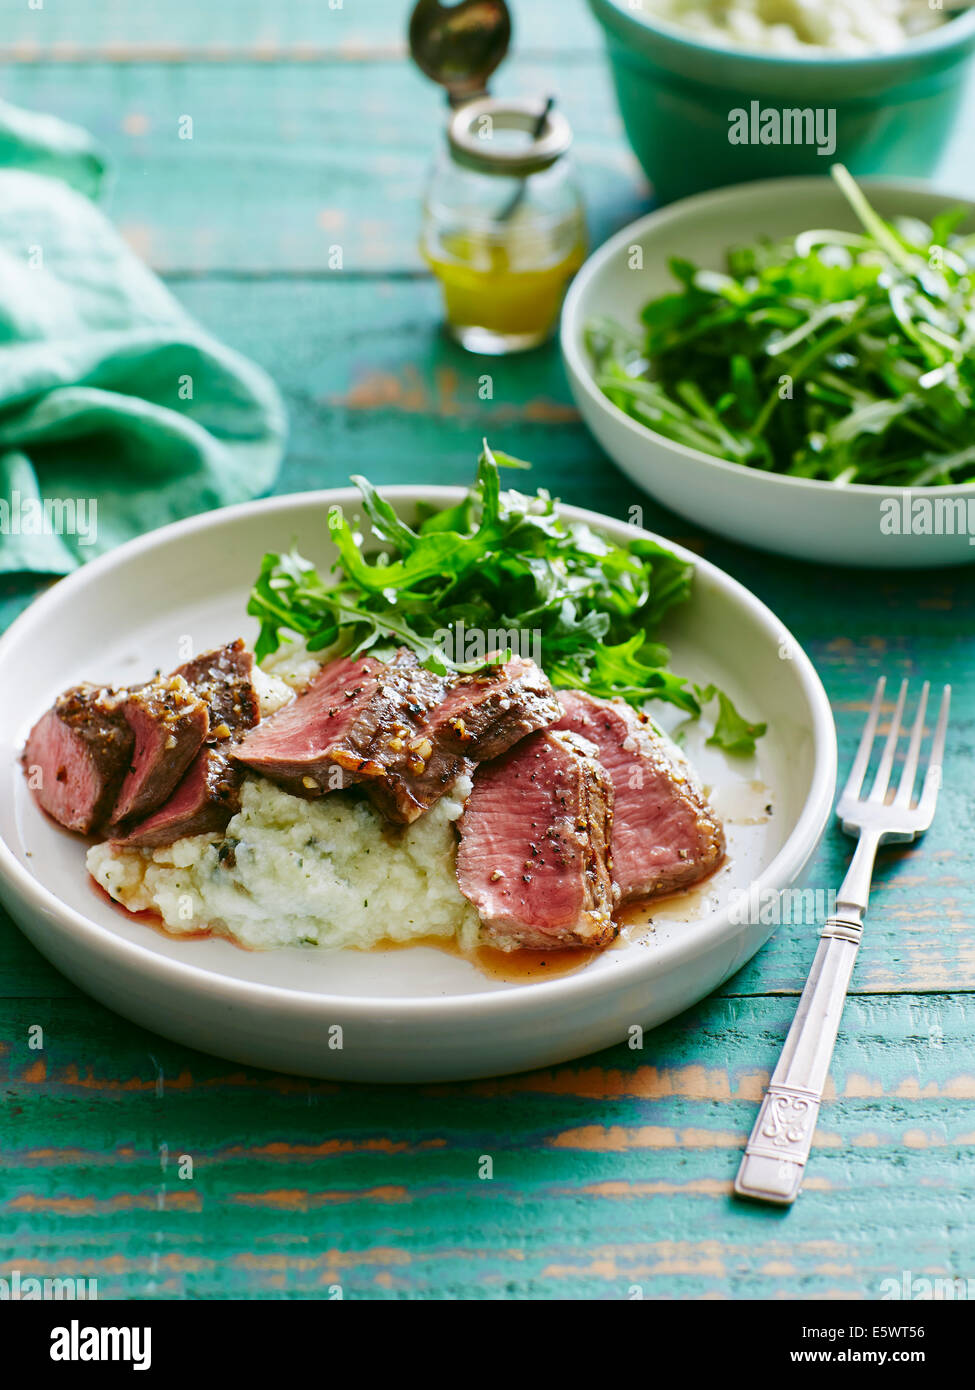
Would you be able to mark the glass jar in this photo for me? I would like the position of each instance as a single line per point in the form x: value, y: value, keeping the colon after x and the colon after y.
x: 503, y: 224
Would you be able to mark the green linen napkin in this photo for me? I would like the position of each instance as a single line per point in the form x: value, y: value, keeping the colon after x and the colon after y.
x: 48, y: 145
x: 118, y: 412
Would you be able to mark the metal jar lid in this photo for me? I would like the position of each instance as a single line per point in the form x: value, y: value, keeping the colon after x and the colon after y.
x: 470, y: 135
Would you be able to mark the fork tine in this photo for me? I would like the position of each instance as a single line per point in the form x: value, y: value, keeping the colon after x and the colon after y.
x: 932, y: 778
x: 906, y: 788
x: 882, y: 779
x: 862, y: 759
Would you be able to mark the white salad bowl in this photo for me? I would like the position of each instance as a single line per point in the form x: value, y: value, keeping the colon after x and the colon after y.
x: 856, y: 524
x: 417, y: 1014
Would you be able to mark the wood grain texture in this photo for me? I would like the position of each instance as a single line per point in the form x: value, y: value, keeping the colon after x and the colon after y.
x: 119, y: 31
x: 340, y: 153
x: 610, y: 1173
x: 612, y: 1176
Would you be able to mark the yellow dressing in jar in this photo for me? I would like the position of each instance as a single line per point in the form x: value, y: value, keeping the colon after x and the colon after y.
x: 487, y: 284
x: 503, y: 225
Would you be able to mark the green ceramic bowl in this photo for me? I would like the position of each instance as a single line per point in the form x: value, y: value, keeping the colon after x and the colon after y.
x: 892, y: 111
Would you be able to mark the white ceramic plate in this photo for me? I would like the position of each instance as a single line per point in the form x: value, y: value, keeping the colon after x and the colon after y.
x: 807, y: 518
x: 416, y: 1014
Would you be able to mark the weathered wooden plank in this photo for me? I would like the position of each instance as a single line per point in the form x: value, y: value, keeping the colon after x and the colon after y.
x: 373, y: 387
x: 119, y: 31
x: 287, y: 162
x: 608, y: 1174
x: 339, y: 152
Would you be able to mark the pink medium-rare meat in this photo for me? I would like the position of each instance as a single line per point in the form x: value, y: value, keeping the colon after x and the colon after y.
x: 294, y: 745
x: 208, y: 794
x: 401, y: 732
x: 77, y: 756
x: 430, y: 729
x: 534, y: 855
x: 321, y: 740
x: 665, y: 834
x: 169, y: 723
x: 104, y: 755
x: 484, y: 714
x: 359, y: 722
x: 439, y: 727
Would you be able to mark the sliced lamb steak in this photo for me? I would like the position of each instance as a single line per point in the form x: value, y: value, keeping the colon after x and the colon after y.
x: 169, y: 723
x: 451, y: 725
x: 485, y: 714
x: 404, y: 769
x: 77, y: 756
x: 359, y: 721
x: 665, y: 835
x: 534, y: 845
x: 205, y: 800
x: 294, y: 746
x: 222, y: 679
x: 398, y: 730
x: 209, y: 792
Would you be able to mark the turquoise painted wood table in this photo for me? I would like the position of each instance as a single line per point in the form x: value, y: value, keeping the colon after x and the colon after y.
x: 612, y: 1175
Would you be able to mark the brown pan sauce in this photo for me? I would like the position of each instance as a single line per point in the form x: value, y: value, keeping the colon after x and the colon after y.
x: 635, y: 921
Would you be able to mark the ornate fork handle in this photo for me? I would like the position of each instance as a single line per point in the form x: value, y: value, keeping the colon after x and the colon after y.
x: 776, y: 1153
x: 780, y: 1142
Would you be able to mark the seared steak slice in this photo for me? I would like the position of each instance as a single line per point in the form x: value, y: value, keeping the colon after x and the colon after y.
x: 665, y: 835
x: 398, y: 730
x: 485, y: 714
x: 169, y: 723
x: 209, y: 792
x: 320, y: 741
x: 205, y: 800
x: 77, y: 755
x: 359, y: 722
x: 404, y: 767
x: 222, y: 679
x: 534, y: 845
x: 441, y: 728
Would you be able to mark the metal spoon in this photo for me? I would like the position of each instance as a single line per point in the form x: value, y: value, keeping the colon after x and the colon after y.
x: 518, y: 197
x: 460, y: 45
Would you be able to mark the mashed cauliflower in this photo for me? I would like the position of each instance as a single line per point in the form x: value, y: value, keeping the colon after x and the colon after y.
x: 293, y: 665
x: 792, y: 26
x: 290, y: 872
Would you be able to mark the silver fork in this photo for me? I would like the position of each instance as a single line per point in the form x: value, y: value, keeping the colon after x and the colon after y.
x: 776, y: 1153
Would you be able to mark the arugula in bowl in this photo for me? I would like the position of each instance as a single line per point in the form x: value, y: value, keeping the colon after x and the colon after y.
x: 841, y: 356
x: 500, y: 560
